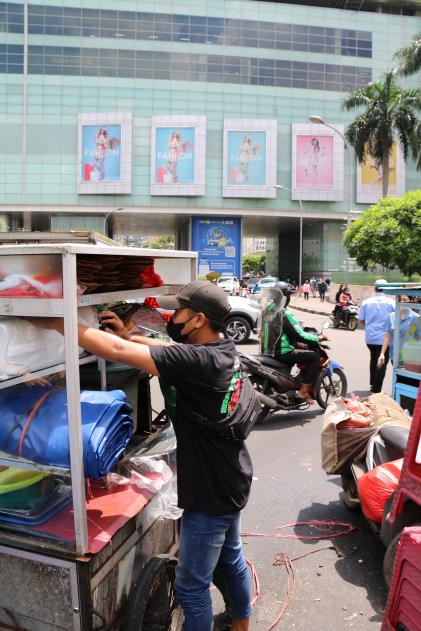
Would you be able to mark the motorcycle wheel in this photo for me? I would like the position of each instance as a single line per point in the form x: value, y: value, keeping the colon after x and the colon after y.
x: 336, y: 323
x: 350, y: 496
x: 331, y: 387
x: 353, y: 323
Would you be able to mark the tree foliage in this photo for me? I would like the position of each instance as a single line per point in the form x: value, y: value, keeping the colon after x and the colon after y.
x: 389, y: 234
x: 163, y: 242
x: 388, y: 110
x: 255, y: 263
x: 409, y: 58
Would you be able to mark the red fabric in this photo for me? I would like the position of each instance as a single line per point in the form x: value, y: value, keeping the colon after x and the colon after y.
x: 150, y: 278
x: 107, y: 509
x: 376, y: 486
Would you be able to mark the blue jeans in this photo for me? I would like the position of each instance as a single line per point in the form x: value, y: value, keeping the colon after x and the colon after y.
x: 208, y: 542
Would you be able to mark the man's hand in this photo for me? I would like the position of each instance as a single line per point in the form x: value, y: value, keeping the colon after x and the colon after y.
x: 113, y: 324
x: 381, y: 360
x: 323, y: 338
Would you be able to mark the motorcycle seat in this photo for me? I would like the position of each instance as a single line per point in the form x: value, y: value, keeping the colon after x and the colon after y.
x: 395, y: 437
x: 274, y: 363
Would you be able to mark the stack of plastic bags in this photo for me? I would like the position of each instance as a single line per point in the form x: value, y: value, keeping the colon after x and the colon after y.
x: 34, y: 425
x: 25, y: 347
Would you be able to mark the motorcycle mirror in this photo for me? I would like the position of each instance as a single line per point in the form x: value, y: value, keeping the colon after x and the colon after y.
x: 326, y: 325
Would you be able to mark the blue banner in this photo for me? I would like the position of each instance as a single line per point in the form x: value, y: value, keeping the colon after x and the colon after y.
x: 217, y: 241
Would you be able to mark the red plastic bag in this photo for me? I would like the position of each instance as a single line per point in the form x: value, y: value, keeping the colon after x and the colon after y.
x: 376, y: 486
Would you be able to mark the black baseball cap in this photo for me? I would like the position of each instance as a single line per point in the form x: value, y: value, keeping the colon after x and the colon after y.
x: 201, y: 296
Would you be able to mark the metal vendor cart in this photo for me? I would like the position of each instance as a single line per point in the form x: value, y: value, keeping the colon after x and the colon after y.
x: 102, y: 558
x: 406, y: 346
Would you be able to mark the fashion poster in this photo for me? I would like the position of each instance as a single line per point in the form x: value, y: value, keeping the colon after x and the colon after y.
x: 174, y: 155
x: 317, y: 162
x: 101, y: 153
x: 218, y: 244
x: 247, y: 158
x: 314, y: 162
x: 249, y: 165
x: 105, y: 153
x: 370, y: 177
x: 178, y: 146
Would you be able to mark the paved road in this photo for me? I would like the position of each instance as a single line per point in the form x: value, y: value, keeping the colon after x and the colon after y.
x: 338, y: 588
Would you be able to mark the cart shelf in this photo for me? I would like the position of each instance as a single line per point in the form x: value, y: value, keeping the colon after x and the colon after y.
x: 8, y: 460
x: 51, y: 370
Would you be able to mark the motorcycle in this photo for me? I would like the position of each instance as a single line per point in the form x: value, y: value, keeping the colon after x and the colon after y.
x: 277, y: 387
x: 348, y: 319
x: 389, y: 444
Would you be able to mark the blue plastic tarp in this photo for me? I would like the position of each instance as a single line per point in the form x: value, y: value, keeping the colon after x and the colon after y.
x: 107, y: 426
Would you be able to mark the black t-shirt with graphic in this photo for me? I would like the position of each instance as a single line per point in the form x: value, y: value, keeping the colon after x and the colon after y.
x: 214, y: 473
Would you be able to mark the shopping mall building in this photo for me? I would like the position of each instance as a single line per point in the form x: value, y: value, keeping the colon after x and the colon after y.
x: 177, y: 118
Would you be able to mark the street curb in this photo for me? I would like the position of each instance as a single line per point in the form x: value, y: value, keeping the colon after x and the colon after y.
x: 315, y: 311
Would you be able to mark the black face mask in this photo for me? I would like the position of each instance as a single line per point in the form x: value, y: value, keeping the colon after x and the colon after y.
x: 174, y: 330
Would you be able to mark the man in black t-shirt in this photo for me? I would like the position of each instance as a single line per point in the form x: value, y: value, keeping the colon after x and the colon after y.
x: 214, y: 472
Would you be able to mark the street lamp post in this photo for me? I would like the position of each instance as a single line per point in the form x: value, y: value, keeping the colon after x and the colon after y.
x: 106, y: 221
x: 320, y: 121
x: 300, y: 261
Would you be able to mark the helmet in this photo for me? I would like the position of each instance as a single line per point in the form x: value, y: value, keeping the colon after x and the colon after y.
x: 286, y: 288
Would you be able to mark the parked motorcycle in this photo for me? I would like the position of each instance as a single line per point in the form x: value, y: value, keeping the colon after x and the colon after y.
x: 277, y: 387
x: 347, y: 319
x: 389, y: 444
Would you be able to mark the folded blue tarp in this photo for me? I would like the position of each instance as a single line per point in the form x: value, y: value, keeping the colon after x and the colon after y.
x: 33, y: 424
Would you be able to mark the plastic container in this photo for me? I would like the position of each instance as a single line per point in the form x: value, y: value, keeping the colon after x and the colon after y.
x: 411, y: 354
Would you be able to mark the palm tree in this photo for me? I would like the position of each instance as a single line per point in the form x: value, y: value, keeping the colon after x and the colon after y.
x: 390, y: 112
x: 409, y: 58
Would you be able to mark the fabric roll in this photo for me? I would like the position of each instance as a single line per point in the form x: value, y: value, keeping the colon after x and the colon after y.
x: 34, y: 425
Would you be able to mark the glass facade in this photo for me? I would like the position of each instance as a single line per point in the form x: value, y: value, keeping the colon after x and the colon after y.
x: 222, y: 59
x: 103, y: 23
x: 106, y: 62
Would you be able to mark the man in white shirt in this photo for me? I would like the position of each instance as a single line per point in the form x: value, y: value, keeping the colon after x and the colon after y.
x: 374, y: 318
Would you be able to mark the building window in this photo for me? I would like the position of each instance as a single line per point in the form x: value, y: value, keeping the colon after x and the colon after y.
x: 105, y: 62
x: 105, y: 23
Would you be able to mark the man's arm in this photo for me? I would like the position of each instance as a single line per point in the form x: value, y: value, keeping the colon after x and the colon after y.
x: 106, y: 345
x: 113, y: 324
x: 115, y: 349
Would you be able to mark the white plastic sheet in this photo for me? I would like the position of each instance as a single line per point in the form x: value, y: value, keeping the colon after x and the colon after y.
x: 25, y: 347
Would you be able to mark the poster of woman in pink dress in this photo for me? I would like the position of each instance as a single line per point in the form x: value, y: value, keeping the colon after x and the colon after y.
x: 314, y: 162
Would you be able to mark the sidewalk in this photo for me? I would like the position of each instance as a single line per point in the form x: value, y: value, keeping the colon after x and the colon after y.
x: 312, y: 305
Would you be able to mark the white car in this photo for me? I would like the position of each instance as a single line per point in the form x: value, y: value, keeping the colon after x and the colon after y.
x: 230, y: 284
x: 242, y: 319
x: 267, y: 282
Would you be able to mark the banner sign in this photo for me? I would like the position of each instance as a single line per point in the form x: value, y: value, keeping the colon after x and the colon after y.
x: 249, y: 158
x: 370, y: 177
x: 178, y: 145
x: 217, y: 240
x: 105, y: 153
x: 317, y: 163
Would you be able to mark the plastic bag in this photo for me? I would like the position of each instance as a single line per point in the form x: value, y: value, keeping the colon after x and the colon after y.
x: 376, y: 486
x: 25, y: 347
x: 154, y: 477
x: 343, y: 440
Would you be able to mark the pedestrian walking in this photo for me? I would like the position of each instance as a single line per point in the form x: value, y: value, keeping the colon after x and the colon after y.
x: 374, y: 318
x: 306, y: 289
x: 313, y: 285
x: 322, y: 290
x: 327, y: 281
x: 214, y: 471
